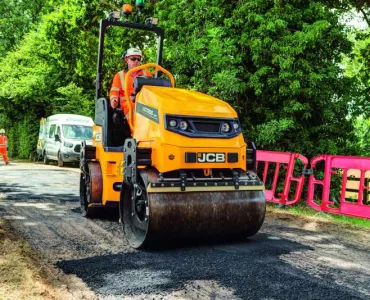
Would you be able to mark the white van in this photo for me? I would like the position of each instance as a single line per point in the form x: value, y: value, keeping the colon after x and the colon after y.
x: 60, y: 137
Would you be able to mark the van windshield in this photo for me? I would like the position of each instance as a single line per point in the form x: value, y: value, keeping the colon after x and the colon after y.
x: 77, y: 132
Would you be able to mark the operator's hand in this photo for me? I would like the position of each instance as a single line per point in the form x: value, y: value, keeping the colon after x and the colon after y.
x: 114, y: 102
x: 118, y: 116
x: 135, y: 74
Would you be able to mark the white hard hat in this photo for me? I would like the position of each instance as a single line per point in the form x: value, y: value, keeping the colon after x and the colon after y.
x: 2, y: 130
x: 132, y: 51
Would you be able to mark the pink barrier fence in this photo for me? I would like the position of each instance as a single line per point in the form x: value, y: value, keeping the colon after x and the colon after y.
x: 355, y: 207
x: 283, y: 161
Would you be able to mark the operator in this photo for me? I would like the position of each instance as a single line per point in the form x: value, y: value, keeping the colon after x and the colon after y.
x: 133, y: 58
x: 4, y: 145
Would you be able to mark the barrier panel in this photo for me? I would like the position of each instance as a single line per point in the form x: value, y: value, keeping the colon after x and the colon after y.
x: 284, y: 161
x: 354, y: 173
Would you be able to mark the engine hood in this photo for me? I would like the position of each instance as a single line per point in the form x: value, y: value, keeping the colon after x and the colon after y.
x: 184, y: 102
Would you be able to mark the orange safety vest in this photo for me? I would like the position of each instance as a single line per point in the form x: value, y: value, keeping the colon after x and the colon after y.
x: 3, y: 141
x: 117, y: 89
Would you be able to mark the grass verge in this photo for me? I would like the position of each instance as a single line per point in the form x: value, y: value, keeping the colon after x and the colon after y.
x: 24, y: 275
x: 304, y: 210
x: 20, y: 276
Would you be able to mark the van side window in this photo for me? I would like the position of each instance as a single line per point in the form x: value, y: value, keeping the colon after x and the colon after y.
x: 52, y: 131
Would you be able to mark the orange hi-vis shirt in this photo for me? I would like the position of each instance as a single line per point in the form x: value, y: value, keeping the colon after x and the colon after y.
x: 3, y: 141
x: 117, y: 89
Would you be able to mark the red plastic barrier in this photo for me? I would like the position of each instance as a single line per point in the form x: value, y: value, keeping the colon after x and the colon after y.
x: 282, y: 158
x: 345, y: 163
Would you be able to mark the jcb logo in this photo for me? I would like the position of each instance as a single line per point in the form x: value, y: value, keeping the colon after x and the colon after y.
x: 211, y: 157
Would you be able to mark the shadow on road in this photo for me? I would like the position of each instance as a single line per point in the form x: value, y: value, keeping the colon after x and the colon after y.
x: 28, y: 192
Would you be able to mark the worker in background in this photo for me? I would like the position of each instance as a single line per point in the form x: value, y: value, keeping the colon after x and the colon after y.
x: 4, y: 145
x: 133, y: 57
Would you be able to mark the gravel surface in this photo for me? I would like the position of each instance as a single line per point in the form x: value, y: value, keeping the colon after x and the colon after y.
x: 288, y: 259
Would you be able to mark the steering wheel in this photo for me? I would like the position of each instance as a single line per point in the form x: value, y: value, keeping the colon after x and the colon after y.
x: 157, y: 68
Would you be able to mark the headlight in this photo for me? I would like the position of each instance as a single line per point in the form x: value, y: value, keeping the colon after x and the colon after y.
x: 173, y: 123
x: 68, y: 145
x: 225, y: 127
x: 184, y: 125
x: 236, y: 126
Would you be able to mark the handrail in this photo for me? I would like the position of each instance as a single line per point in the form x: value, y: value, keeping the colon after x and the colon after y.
x: 146, y: 68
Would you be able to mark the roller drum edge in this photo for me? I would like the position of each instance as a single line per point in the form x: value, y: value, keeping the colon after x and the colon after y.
x: 172, y: 216
x: 206, y: 214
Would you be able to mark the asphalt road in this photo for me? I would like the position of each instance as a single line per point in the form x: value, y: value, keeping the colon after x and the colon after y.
x: 281, y: 262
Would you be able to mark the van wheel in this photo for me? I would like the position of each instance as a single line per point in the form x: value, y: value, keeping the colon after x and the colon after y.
x: 60, y: 160
x: 46, y: 160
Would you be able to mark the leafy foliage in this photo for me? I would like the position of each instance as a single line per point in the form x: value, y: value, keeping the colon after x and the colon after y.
x: 362, y: 132
x: 277, y: 62
x: 17, y: 17
x: 361, y: 6
x: 357, y: 67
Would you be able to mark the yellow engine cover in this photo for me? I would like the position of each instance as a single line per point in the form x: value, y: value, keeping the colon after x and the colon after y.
x: 169, y: 148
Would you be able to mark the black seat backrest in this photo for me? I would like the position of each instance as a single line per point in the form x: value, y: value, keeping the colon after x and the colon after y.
x: 140, y: 81
x: 114, y: 135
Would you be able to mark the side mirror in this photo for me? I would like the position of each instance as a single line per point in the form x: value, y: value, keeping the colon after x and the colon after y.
x: 57, y: 138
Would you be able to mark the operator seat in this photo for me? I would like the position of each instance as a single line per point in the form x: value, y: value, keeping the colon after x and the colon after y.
x: 114, y: 135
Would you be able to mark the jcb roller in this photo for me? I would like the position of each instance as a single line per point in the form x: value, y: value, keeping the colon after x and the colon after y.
x: 179, y: 168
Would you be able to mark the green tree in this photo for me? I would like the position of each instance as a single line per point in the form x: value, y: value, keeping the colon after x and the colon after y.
x: 357, y: 67
x: 362, y: 132
x: 277, y: 62
x: 17, y: 17
x: 53, y: 68
x: 361, y: 6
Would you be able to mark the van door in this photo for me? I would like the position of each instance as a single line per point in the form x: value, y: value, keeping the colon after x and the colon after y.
x: 50, y: 146
x: 42, y: 137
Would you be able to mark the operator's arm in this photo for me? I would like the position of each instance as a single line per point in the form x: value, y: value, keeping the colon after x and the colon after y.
x: 114, y: 91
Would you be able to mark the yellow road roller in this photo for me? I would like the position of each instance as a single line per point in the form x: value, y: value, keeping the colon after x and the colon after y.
x: 177, y: 168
